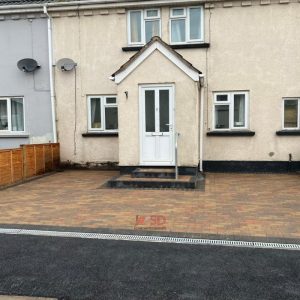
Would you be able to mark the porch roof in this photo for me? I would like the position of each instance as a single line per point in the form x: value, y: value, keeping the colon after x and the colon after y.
x: 156, y: 43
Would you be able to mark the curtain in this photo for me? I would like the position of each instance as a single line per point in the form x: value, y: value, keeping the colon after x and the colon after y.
x: 135, y: 26
x: 152, y: 29
x: 239, y: 110
x: 178, y: 30
x: 3, y: 115
x: 95, y: 113
x: 17, y: 118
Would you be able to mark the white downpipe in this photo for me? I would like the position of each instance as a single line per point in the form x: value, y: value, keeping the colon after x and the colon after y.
x: 201, y: 122
x: 50, y: 54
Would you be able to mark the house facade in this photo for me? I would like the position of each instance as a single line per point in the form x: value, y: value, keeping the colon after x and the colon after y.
x: 209, y: 85
x: 25, y: 106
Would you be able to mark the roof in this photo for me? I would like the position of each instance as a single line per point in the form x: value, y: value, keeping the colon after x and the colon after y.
x: 22, y: 2
x: 149, y: 48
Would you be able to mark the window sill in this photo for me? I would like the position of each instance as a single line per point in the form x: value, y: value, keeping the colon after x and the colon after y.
x: 288, y: 132
x: 13, y: 135
x: 100, y: 134
x: 177, y: 46
x: 231, y: 133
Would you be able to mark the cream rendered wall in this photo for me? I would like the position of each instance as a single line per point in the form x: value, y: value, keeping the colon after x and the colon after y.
x: 252, y: 48
x: 153, y: 71
x: 94, y: 43
x: 255, y: 48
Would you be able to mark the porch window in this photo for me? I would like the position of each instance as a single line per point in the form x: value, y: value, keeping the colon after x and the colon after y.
x: 291, y: 113
x: 11, y: 114
x: 102, y: 113
x: 186, y: 25
x: 230, y: 110
x: 143, y: 25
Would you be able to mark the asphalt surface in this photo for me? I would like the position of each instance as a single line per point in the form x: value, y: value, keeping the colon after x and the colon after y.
x: 69, y: 268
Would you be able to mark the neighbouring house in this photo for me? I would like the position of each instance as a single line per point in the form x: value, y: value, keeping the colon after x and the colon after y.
x: 217, y: 79
x: 25, y: 104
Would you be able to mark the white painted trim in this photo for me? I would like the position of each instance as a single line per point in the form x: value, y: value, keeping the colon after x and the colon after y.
x: 194, y: 75
x: 282, y: 114
x: 230, y: 103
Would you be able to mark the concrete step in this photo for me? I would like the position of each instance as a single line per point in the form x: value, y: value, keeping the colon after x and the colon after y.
x: 154, y: 173
x: 183, y: 182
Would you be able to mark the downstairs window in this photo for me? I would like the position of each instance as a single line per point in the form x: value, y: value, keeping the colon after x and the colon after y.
x: 230, y: 111
x: 102, y: 113
x: 11, y: 114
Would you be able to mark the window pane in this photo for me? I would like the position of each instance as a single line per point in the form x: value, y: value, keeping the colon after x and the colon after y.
x: 96, y: 113
x: 3, y: 115
x: 111, y: 118
x: 222, y: 98
x: 152, y: 29
x: 290, y: 113
x: 17, y: 114
x: 222, y: 116
x: 152, y: 13
x: 150, y: 111
x: 111, y: 100
x: 164, y: 110
x: 178, y: 30
x: 239, y: 111
x: 177, y: 12
x: 195, y: 23
x: 135, y: 26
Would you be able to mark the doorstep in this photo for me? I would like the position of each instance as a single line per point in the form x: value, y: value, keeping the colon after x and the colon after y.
x: 152, y: 178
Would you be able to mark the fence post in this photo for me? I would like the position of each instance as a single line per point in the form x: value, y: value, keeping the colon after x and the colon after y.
x: 24, y: 162
x: 11, y: 167
x: 44, y: 158
x: 34, y: 151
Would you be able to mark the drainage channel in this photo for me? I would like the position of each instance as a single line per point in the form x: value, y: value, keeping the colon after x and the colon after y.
x: 151, y: 239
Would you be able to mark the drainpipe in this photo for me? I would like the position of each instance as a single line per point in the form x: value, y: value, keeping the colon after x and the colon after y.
x: 50, y: 54
x: 201, y: 123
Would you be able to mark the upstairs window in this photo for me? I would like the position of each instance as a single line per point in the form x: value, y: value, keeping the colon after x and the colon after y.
x: 143, y: 25
x: 186, y: 25
x: 11, y: 114
x: 102, y: 113
x: 230, y: 111
x: 291, y: 113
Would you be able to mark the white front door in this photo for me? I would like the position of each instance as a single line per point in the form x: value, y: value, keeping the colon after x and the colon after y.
x: 157, y: 125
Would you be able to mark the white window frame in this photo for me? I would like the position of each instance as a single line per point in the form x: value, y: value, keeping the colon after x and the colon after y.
x: 230, y: 102
x: 104, y: 104
x: 282, y: 111
x: 186, y: 17
x: 144, y: 18
x: 9, y: 130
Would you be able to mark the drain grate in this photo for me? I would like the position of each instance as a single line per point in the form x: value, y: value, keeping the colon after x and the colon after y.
x: 153, y: 239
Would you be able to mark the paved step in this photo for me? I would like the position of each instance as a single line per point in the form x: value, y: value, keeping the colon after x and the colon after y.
x: 154, y: 173
x: 183, y: 182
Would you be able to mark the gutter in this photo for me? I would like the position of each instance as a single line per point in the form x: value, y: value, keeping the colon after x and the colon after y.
x: 50, y: 54
x: 91, y: 4
x: 201, y: 122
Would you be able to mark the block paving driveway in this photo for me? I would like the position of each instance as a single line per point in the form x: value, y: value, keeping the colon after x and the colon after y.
x: 257, y: 205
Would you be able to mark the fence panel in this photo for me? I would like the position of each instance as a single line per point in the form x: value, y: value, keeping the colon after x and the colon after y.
x: 27, y: 161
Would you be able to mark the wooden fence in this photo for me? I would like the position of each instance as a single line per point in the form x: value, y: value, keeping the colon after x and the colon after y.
x: 27, y: 161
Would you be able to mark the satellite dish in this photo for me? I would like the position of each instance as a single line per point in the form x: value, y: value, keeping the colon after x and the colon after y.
x: 66, y: 64
x: 28, y: 65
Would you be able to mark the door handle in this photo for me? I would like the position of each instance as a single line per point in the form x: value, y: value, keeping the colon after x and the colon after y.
x: 157, y: 134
